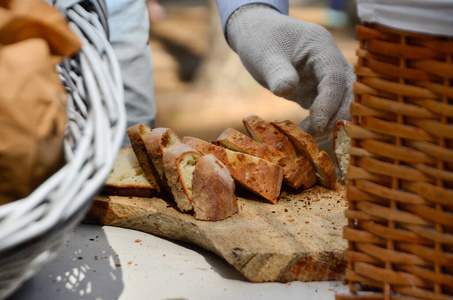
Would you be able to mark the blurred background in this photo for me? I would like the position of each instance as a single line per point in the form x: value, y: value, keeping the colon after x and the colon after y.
x: 201, y: 85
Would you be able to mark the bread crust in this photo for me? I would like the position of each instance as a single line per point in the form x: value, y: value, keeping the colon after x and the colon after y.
x: 237, y: 141
x: 178, y: 163
x: 253, y: 173
x: 155, y: 142
x: 305, y: 143
x: 213, y: 190
x: 261, y: 131
x: 300, y: 176
x: 293, y: 174
x: 136, y: 134
x: 326, y: 170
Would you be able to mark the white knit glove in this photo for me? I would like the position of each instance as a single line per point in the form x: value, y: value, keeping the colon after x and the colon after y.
x: 296, y: 60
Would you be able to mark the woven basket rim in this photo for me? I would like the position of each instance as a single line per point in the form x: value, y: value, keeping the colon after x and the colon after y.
x: 34, y: 228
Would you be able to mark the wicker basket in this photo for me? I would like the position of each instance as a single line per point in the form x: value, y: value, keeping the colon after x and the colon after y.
x: 33, y: 229
x: 400, y: 191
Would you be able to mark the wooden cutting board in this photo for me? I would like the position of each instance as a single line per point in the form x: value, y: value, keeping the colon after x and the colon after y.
x: 299, y: 238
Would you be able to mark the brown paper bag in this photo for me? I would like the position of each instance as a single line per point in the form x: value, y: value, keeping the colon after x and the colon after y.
x: 33, y: 39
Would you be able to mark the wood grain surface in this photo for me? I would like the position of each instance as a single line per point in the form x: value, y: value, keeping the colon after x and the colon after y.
x: 299, y: 238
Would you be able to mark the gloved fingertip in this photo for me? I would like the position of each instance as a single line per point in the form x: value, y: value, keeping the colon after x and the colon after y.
x: 283, y: 82
x: 318, y: 122
x: 305, y: 125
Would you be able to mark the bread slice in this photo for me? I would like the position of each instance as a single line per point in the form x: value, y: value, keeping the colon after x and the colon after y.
x: 213, y: 190
x: 127, y: 177
x: 253, y: 173
x: 305, y: 143
x: 261, y: 131
x: 156, y: 142
x: 136, y: 134
x: 178, y: 162
x: 237, y: 141
x: 341, y: 145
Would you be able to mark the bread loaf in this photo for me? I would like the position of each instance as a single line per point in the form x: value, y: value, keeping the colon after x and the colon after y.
x: 341, y: 145
x: 178, y: 162
x: 136, y: 134
x: 303, y: 175
x: 253, y: 173
x: 305, y: 144
x: 213, y: 190
x: 127, y: 178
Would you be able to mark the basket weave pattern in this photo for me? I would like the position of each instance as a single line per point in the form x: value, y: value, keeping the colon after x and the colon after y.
x: 400, y: 191
x: 33, y: 229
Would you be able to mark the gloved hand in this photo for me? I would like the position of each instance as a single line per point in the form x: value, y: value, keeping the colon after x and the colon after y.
x: 296, y: 60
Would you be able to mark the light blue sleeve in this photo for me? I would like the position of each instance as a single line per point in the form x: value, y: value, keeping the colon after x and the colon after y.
x: 227, y: 7
x: 129, y: 37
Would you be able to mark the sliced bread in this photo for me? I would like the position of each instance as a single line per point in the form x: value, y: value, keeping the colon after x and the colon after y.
x: 214, y: 196
x: 136, y: 134
x: 261, y: 131
x: 253, y: 173
x: 237, y: 141
x: 306, y: 145
x: 178, y: 162
x: 156, y: 142
x: 127, y: 178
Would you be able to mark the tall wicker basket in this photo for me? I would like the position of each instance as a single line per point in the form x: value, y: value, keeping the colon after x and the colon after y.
x: 400, y: 191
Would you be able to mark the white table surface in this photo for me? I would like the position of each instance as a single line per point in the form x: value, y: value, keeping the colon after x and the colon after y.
x: 103, y: 262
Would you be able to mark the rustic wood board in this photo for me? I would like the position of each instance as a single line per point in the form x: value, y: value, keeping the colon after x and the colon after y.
x: 299, y: 238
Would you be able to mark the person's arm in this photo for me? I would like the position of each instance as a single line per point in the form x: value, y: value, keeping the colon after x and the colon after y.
x: 227, y: 7
x: 296, y: 60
